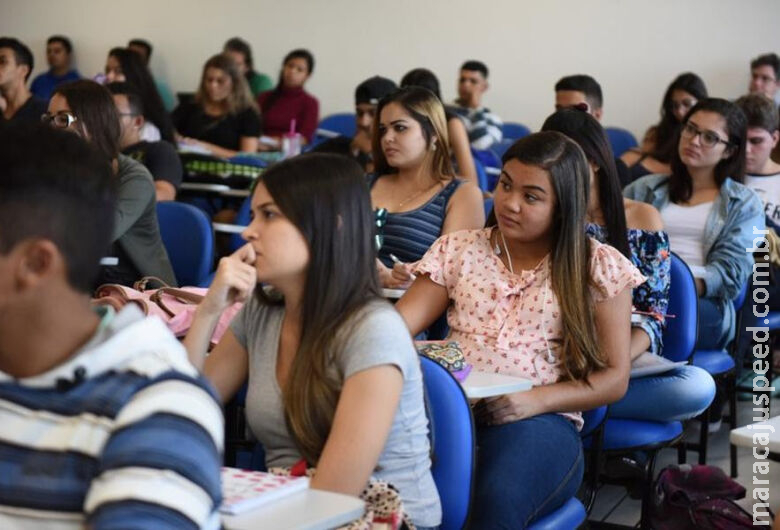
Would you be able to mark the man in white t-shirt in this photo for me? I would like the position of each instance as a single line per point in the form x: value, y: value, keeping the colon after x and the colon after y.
x: 762, y: 174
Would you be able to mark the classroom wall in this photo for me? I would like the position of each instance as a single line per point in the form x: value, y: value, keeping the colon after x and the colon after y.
x: 633, y: 48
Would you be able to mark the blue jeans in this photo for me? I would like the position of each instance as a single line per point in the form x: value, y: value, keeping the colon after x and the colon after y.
x: 677, y: 395
x: 710, y: 335
x: 525, y: 469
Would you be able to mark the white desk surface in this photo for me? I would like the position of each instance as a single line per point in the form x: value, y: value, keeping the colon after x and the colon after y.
x: 393, y: 294
x: 228, y: 228
x: 305, y: 510
x: 486, y: 384
x: 743, y: 436
x: 218, y: 189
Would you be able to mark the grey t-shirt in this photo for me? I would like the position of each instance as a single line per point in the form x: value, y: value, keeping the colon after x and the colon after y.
x: 380, y: 338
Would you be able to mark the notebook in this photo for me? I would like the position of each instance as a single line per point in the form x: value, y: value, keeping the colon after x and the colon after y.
x: 244, y: 490
x: 651, y: 364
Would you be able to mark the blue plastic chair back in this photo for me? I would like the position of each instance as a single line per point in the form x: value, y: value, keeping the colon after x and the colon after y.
x: 342, y: 124
x: 482, y: 176
x: 453, y: 443
x: 593, y: 419
x: 621, y: 140
x: 488, y: 206
x: 243, y: 218
x: 515, y: 131
x: 189, y: 240
x: 499, y: 148
x: 680, y: 334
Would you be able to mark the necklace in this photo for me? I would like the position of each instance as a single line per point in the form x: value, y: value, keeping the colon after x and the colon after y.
x: 417, y: 194
x: 497, y: 251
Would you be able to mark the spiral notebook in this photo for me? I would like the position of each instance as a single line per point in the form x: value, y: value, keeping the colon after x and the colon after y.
x: 244, y: 490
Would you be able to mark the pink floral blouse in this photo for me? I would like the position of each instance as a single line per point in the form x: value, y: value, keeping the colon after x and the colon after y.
x: 510, y: 323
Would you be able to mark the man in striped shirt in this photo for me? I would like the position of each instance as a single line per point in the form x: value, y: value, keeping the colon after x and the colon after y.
x: 484, y: 127
x: 103, y: 421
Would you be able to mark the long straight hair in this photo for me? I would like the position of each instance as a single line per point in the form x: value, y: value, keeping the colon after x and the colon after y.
x: 427, y: 110
x: 326, y: 197
x: 97, y: 117
x: 680, y: 182
x: 240, y: 97
x: 137, y: 74
x: 590, y: 136
x: 569, y: 260
x: 667, y: 129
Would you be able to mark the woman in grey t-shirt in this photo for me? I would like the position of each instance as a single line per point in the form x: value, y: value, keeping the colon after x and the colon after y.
x: 333, y: 375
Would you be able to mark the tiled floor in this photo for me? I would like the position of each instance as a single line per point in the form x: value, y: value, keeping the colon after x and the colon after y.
x: 613, y: 504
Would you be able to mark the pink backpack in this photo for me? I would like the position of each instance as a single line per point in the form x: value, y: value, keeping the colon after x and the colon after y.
x: 175, y: 306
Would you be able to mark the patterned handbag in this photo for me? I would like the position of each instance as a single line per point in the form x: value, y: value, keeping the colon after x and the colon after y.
x: 447, y: 354
x: 384, y: 509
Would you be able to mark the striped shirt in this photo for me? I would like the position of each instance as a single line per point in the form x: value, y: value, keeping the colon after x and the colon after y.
x: 409, y: 235
x: 484, y: 127
x: 124, y: 434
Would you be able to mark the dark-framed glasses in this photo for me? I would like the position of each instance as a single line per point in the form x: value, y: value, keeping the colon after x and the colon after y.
x: 61, y: 120
x: 708, y: 138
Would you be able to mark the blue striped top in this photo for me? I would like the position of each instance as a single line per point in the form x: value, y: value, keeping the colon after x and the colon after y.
x: 409, y: 235
x: 122, y: 434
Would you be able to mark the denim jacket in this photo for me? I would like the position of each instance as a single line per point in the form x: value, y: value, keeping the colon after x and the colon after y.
x: 736, y: 215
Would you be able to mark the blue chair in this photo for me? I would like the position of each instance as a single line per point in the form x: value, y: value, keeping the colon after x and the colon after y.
x: 499, y: 148
x: 189, y: 240
x: 515, y: 131
x: 340, y: 124
x: 243, y: 218
x: 626, y: 436
x: 568, y: 517
x: 721, y: 366
x: 488, y: 206
x: 453, y: 440
x: 621, y: 140
x: 482, y: 176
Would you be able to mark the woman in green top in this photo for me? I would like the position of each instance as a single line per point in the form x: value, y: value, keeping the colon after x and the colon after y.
x: 239, y: 50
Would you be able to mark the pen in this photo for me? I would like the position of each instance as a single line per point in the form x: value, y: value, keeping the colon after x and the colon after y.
x: 396, y: 260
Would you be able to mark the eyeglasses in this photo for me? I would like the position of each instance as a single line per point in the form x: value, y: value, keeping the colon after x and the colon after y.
x: 708, y: 138
x: 380, y: 218
x: 61, y: 120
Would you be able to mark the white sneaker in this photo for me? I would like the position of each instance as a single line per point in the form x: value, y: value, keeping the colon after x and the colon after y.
x: 714, y: 426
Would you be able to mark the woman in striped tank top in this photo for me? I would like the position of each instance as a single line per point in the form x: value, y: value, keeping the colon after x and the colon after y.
x: 414, y: 191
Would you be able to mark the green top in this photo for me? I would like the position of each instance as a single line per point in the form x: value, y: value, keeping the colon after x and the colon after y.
x: 259, y: 82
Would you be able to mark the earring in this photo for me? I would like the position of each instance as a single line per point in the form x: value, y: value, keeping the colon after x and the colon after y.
x: 433, y: 146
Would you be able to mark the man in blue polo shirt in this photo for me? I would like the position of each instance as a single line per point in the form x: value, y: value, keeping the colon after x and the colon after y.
x: 59, y: 52
x: 103, y: 421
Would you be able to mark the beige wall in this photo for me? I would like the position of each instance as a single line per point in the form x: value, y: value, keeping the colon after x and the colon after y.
x: 633, y: 48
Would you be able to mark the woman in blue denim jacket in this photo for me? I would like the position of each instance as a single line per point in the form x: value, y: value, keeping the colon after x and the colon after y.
x: 710, y: 217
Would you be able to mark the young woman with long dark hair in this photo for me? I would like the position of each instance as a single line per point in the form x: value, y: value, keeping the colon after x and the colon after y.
x: 333, y: 377
x: 532, y: 296
x: 636, y: 230
x: 125, y: 65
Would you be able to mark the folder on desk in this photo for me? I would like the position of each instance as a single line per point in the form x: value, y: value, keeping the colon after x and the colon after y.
x: 244, y: 490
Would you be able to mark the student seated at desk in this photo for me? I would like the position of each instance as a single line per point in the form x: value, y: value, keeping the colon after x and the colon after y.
x: 87, y: 109
x: 223, y: 117
x: 126, y: 66
x: 709, y: 215
x: 160, y: 158
x: 456, y: 130
x: 105, y: 423
x: 414, y: 191
x: 333, y: 376
x: 636, y: 230
x: 660, y: 141
x: 532, y: 296
x: 289, y: 101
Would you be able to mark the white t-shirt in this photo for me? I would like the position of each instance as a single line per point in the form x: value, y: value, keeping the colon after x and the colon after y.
x: 768, y: 189
x: 685, y: 227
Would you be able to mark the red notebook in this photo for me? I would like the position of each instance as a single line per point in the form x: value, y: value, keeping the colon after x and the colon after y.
x: 244, y: 490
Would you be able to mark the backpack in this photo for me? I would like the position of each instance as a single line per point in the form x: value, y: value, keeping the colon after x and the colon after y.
x: 697, y: 497
x: 174, y: 306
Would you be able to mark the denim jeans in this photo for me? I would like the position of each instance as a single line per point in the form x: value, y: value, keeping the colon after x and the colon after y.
x: 710, y: 335
x: 677, y: 395
x: 525, y: 469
